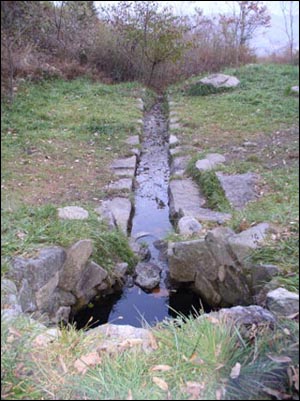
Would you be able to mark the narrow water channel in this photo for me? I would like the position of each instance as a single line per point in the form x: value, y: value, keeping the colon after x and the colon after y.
x: 150, y: 225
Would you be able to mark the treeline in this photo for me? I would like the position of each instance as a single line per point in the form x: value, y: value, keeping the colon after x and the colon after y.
x: 139, y: 40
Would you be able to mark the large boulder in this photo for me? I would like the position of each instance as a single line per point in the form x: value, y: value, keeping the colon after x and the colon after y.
x: 215, y: 266
x: 220, y: 81
x: 77, y: 257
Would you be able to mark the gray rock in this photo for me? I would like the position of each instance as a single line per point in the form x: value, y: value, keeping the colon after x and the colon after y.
x: 141, y: 250
x: 27, y: 298
x: 43, y: 295
x: 244, y: 315
x: 9, y: 295
x: 283, y: 302
x: 133, y: 140
x: 38, y: 271
x: 91, y: 277
x: 106, y: 215
x: 62, y: 315
x: 220, y: 81
x: 147, y: 275
x: 113, y: 338
x: 73, y: 213
x: 179, y: 164
x: 124, y: 184
x: 189, y: 226
x: 60, y: 298
x: 173, y: 140
x: 190, y: 257
x: 185, y: 198
x: 121, y: 210
x: 217, y: 242
x: 261, y: 274
x: 127, y: 163
x: 211, y: 161
x: 243, y: 243
x: 210, y: 215
x: 215, y: 158
x: 239, y: 188
x: 120, y: 270
x: 77, y: 257
x: 204, y: 165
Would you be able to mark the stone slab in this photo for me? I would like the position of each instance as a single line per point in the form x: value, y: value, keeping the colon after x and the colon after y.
x: 72, y: 213
x: 239, y: 188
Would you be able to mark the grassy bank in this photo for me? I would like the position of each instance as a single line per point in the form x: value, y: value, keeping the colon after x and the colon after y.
x: 256, y: 127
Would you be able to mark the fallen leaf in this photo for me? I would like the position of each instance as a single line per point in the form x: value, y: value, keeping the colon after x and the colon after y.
x: 85, y: 361
x: 219, y: 393
x: 160, y: 383
x: 279, y: 359
x: 194, y: 389
x: 235, y: 371
x: 153, y: 342
x: 196, y: 360
x: 129, y: 396
x: 161, y: 368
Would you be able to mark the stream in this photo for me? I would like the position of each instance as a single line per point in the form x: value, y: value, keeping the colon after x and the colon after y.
x: 150, y: 224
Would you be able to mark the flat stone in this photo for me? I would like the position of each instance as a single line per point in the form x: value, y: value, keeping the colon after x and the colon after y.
x: 27, y: 297
x: 243, y: 315
x: 173, y: 141
x: 124, y: 184
x: 185, y: 198
x: 243, y: 243
x: 77, y: 257
x: 106, y: 215
x: 133, y: 140
x: 121, y: 210
x: 295, y: 89
x: 179, y: 165
x: 43, y: 295
x: 220, y: 81
x: 147, y: 275
x: 187, y: 225
x: 128, y: 164
x: 116, y: 337
x: 210, y: 215
x: 215, y: 158
x: 239, y: 188
x: 204, y: 165
x: 174, y: 126
x: 72, y: 213
x: 283, y: 302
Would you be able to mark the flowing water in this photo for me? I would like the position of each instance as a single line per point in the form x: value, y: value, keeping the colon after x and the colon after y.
x: 150, y: 225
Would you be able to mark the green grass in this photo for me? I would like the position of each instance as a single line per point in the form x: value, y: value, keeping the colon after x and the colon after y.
x: 65, y: 132
x: 209, y: 185
x: 30, y: 228
x: 259, y: 104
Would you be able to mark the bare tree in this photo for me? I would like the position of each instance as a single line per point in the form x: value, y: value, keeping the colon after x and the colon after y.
x: 287, y: 8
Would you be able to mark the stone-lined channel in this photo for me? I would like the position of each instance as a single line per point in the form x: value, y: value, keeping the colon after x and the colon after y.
x: 150, y: 224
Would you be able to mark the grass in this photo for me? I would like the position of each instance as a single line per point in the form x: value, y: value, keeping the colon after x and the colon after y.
x: 198, y: 355
x: 259, y: 105
x: 30, y: 228
x: 59, y: 137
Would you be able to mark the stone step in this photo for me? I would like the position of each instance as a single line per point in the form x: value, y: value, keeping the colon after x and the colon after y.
x: 239, y: 188
x: 186, y: 199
